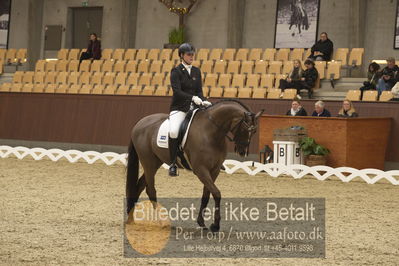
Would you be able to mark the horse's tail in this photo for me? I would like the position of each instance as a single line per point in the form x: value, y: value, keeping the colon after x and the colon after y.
x: 132, y: 175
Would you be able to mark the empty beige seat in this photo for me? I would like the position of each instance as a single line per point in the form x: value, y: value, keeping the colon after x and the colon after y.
x: 17, y: 78
x: 62, y: 66
x: 120, y: 79
x: 143, y: 66
x: 96, y: 66
x: 11, y: 56
x: 278, y: 77
x: 175, y: 55
x: 73, y: 66
x: 84, y: 78
x: 247, y: 67
x: 306, y: 54
x: 51, y: 65
x: 40, y: 66
x: 85, y: 66
x: 157, y: 79
x: 355, y: 57
x: 119, y: 66
x: 132, y: 79
x: 62, y: 78
x: 97, y: 78
x: 334, y: 70
x: 106, y: 54
x: 353, y: 95
x: 27, y: 88
x: 386, y: 96
x: 110, y: 89
x: 255, y: 54
x: 261, y: 67
x: 148, y: 90
x: 62, y: 54
x: 123, y: 90
x: 275, y: 67
x: 205, y: 91
x: 242, y: 54
x: 253, y: 81
x: 49, y: 88
x: 73, y: 78
x: 74, y: 54
x: 244, y: 93
x: 98, y: 89
x: 297, y: 54
x: 16, y: 87
x: 238, y: 81
x: 202, y: 54
x: 266, y: 81
x: 370, y: 95
x: 215, y: 54
x: 131, y: 66
x: 215, y: 92
x: 287, y: 67
x: 5, y: 87
x: 107, y: 66
x: 130, y: 54
x: 167, y: 66
x: 167, y: 80
x: 38, y: 78
x: 220, y: 67
x: 27, y: 77
x: 283, y: 54
x: 21, y: 56
x: 259, y: 93
x: 274, y: 94
x: 233, y: 67
x: 2, y: 54
x: 109, y: 78
x: 161, y: 91
x: 118, y: 54
x: 145, y: 79
x: 135, y: 90
x: 210, y: 80
x: 63, y: 88
x: 75, y: 88
x: 86, y: 89
x: 229, y: 54
x: 224, y: 80
x: 321, y: 68
x: 165, y: 54
x: 230, y: 92
x: 207, y: 66
x: 289, y: 94
x: 141, y: 54
x: 269, y: 54
x: 153, y: 54
x: 156, y: 66
x: 341, y: 54
x: 39, y: 88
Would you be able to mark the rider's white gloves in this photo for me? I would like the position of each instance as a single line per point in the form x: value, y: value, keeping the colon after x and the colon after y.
x: 206, y: 103
x: 197, y: 100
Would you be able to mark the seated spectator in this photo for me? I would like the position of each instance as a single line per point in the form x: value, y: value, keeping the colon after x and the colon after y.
x: 391, y: 65
x: 347, y: 110
x: 395, y: 92
x: 296, y: 109
x: 309, y: 78
x: 322, y: 49
x: 373, y: 75
x: 387, y: 81
x: 319, y: 110
x: 294, y: 78
x: 93, y: 50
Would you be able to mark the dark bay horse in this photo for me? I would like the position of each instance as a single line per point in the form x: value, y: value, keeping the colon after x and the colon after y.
x: 205, y: 148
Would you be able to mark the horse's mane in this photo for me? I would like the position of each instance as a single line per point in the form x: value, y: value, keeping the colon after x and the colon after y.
x: 232, y: 100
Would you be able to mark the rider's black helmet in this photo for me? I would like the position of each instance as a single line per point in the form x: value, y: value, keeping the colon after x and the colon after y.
x: 186, y: 48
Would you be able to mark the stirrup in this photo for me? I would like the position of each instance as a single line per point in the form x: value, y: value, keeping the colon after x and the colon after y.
x: 173, y: 170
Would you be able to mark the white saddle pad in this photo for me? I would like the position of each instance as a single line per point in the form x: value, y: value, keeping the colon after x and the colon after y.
x: 163, y: 133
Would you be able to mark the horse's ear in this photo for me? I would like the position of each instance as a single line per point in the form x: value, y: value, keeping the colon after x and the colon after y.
x: 259, y: 114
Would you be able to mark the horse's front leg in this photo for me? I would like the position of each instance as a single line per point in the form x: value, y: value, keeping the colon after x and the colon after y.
x: 209, y: 184
x: 204, y: 203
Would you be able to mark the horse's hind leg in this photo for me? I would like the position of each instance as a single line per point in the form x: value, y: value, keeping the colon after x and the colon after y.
x: 151, y: 166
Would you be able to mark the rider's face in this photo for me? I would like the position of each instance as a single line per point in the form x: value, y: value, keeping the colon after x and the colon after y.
x: 188, y: 58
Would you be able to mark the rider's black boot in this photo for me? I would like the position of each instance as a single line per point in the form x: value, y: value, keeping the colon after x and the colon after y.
x: 173, y: 146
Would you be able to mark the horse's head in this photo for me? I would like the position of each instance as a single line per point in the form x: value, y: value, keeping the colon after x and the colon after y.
x: 244, y: 130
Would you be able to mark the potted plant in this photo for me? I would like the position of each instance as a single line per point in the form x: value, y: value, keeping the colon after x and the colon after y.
x: 315, y: 154
x: 176, y: 37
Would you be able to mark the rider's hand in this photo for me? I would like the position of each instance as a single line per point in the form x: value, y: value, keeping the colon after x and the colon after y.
x: 206, y: 103
x: 197, y: 100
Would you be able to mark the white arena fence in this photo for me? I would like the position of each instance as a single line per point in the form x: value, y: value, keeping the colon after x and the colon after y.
x: 297, y: 171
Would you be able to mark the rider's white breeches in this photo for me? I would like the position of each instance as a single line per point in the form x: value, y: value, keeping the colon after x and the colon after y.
x: 175, y: 120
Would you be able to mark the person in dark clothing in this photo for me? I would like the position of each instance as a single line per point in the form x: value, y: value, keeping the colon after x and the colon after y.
x: 320, y: 111
x: 373, y: 75
x: 186, y: 83
x: 322, y: 50
x: 387, y: 81
x: 93, y: 50
x: 296, y: 109
x: 347, y: 110
x: 294, y: 77
x: 309, y: 78
x: 391, y: 65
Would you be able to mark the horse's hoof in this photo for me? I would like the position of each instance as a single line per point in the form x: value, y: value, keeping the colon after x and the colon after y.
x: 215, y: 228
x: 201, y: 224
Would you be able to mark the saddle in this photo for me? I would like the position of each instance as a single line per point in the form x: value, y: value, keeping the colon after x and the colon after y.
x: 163, y: 137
